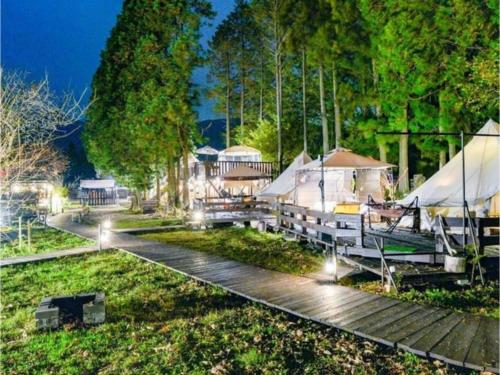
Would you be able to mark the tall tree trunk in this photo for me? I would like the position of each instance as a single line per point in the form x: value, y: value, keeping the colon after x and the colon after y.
x: 452, y: 149
x: 324, y: 121
x: 278, y: 106
x: 185, y: 176
x: 261, y: 91
x: 382, y: 147
x: 442, y: 125
x: 382, y: 151
x: 242, y: 105
x: 158, y: 189
x: 171, y: 182
x: 304, y: 103
x: 336, y: 106
x: 228, y: 106
x: 404, y: 180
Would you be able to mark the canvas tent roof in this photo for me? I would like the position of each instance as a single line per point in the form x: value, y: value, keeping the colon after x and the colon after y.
x: 285, y: 183
x: 240, y: 149
x: 342, y: 158
x: 207, y: 150
x: 242, y: 172
x: 482, y: 166
x: 97, y: 184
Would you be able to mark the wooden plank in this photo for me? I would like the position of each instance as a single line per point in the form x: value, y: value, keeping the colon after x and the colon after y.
x: 346, y: 307
x: 383, y: 318
x: 409, y: 325
x: 344, y: 318
x: 323, y: 303
x: 453, y: 348
x: 483, y: 352
x: 423, y: 341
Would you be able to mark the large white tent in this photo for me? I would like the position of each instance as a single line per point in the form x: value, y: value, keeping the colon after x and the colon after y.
x: 348, y: 178
x: 240, y: 153
x: 282, y: 188
x: 482, y: 180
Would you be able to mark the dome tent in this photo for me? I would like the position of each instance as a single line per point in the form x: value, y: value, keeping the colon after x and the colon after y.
x: 240, y: 153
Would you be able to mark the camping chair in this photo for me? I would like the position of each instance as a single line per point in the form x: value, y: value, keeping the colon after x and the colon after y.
x: 392, y: 216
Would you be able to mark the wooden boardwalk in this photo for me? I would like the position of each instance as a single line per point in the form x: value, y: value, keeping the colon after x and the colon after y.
x: 455, y: 338
x: 47, y: 256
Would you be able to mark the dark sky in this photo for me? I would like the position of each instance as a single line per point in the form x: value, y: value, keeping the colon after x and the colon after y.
x: 63, y: 38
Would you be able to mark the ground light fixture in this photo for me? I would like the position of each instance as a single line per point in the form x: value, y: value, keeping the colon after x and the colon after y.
x: 330, y: 267
x: 198, y: 215
x: 106, y: 224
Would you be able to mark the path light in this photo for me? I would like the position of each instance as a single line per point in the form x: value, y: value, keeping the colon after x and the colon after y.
x: 198, y: 215
x: 106, y: 224
x: 330, y: 267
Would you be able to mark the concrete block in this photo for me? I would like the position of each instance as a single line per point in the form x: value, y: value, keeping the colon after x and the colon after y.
x: 47, y: 317
x: 94, y: 312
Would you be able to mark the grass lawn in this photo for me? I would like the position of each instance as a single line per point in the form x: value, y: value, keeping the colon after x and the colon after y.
x: 138, y: 222
x: 43, y: 240
x: 249, y: 246
x: 480, y: 300
x: 160, y: 322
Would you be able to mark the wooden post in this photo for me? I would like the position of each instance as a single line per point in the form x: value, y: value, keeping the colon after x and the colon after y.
x: 20, y: 232
x: 334, y: 260
x: 29, y: 236
x: 99, y: 236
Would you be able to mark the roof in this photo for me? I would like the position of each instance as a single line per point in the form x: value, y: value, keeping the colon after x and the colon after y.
x: 482, y: 169
x: 242, y: 172
x: 342, y: 158
x: 97, y: 184
x: 207, y: 150
x: 240, y: 149
x: 285, y: 183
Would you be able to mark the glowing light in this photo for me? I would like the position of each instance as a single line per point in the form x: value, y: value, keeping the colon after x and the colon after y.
x: 104, y: 235
x: 106, y: 224
x: 330, y: 267
x: 198, y: 215
x: 17, y: 188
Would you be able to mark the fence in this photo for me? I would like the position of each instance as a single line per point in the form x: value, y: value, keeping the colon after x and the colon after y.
x: 326, y: 227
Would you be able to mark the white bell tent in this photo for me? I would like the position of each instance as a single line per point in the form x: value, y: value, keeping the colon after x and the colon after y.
x: 282, y: 188
x: 240, y: 153
x: 348, y: 177
x: 482, y: 180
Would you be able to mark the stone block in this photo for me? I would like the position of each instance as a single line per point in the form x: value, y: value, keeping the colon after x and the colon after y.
x: 94, y: 312
x: 47, y: 317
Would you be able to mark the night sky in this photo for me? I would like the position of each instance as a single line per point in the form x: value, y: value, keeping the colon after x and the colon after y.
x: 64, y: 38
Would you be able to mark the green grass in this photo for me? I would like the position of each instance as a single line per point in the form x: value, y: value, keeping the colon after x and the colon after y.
x: 127, y: 223
x: 478, y: 300
x: 400, y: 249
x: 43, y: 240
x: 159, y: 322
x: 249, y: 246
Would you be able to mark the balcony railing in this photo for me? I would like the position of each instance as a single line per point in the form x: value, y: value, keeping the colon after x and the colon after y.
x: 212, y: 169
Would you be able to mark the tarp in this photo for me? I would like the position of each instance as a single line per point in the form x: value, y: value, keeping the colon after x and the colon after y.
x: 97, y: 184
x: 285, y: 183
x: 482, y: 180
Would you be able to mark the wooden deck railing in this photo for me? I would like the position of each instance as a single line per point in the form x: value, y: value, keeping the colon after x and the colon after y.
x: 326, y: 225
x: 486, y: 231
x: 213, y: 169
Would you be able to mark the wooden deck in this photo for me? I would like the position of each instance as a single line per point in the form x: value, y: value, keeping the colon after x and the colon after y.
x: 458, y: 339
